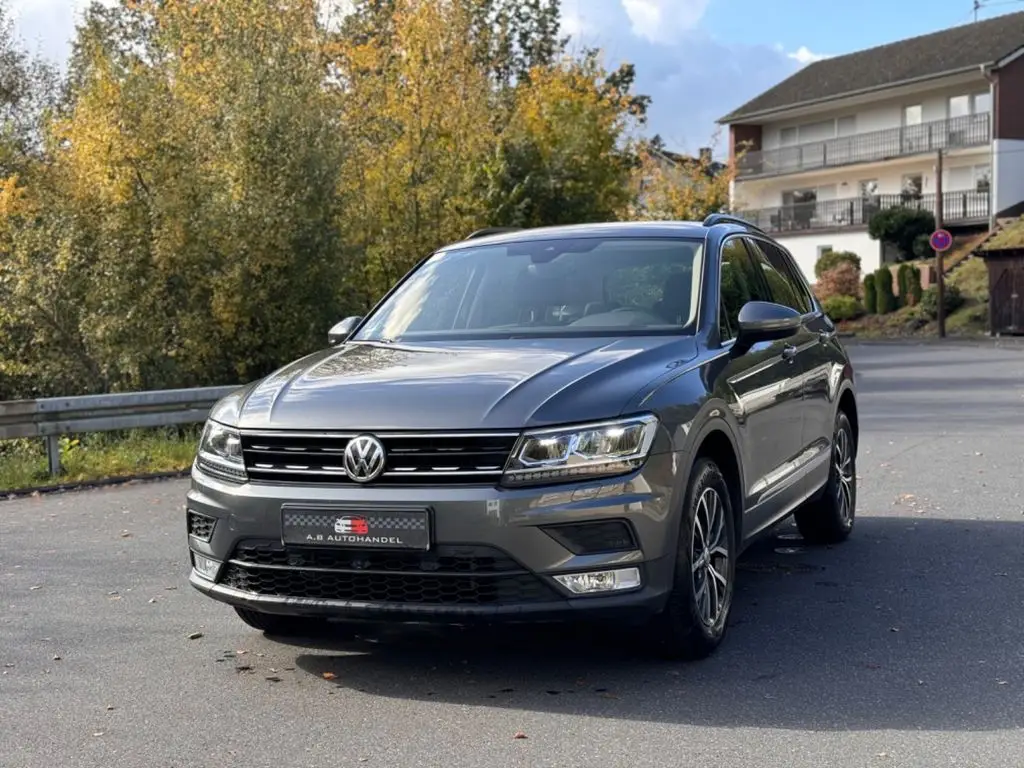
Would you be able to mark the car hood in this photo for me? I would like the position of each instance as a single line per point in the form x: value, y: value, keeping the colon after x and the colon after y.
x: 454, y: 386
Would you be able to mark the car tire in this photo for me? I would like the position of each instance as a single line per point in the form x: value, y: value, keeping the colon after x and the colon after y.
x: 282, y: 625
x: 829, y: 519
x: 694, y: 621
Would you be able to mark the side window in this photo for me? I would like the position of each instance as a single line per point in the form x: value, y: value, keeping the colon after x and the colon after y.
x: 739, y: 284
x: 788, y: 267
x: 783, y: 288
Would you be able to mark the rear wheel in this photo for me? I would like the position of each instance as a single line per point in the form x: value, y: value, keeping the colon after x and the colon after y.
x: 829, y: 518
x: 694, y: 621
x: 285, y: 626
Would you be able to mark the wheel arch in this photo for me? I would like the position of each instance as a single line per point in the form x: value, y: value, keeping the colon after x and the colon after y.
x: 848, y: 405
x: 716, y: 441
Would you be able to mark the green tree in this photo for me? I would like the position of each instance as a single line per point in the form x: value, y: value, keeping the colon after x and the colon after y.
x: 901, y: 227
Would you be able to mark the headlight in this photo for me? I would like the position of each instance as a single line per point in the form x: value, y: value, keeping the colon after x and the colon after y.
x: 590, y: 450
x: 220, y: 453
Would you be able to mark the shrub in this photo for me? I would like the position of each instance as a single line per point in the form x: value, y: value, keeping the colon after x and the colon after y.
x: 885, y: 300
x: 832, y: 259
x: 842, y: 307
x: 952, y: 300
x: 971, y: 278
x: 841, y: 280
x: 922, y: 248
x: 870, y: 295
x: 903, y: 282
x: 901, y: 227
x: 915, y: 286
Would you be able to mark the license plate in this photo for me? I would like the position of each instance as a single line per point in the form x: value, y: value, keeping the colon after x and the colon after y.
x: 362, y: 529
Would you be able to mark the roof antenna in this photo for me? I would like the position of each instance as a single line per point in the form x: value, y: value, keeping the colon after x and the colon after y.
x: 977, y: 5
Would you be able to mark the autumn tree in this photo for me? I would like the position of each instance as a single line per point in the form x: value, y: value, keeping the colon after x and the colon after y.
x: 565, y: 155
x: 682, y: 189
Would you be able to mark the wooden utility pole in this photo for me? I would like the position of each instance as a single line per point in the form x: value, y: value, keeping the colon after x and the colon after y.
x: 939, y: 276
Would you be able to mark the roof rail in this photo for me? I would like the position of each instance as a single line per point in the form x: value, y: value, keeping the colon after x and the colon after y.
x: 487, y: 231
x: 725, y: 218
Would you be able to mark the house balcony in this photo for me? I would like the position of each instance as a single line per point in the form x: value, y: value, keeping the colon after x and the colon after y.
x: 954, y: 133
x: 958, y: 208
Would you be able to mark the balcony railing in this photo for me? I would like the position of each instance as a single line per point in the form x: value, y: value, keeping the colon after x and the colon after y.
x: 957, y: 208
x: 954, y: 133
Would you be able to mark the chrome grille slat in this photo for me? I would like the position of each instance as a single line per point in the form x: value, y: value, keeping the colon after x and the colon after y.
x: 412, y: 459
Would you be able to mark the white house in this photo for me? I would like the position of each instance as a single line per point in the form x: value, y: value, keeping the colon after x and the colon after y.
x: 823, y: 150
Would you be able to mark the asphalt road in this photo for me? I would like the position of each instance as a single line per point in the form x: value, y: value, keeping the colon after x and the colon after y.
x: 902, y: 647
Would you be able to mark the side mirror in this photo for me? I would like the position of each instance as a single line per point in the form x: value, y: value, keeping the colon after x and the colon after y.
x: 341, y: 331
x: 765, y: 321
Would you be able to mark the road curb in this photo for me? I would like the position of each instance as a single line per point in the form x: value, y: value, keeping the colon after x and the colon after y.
x: 84, y: 485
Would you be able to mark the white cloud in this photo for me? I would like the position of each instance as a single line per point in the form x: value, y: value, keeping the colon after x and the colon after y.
x: 661, y: 21
x: 804, y: 56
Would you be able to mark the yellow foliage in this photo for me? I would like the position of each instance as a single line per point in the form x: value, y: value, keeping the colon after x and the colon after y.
x: 686, y: 191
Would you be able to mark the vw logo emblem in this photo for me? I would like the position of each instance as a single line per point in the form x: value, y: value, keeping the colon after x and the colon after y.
x: 364, y: 458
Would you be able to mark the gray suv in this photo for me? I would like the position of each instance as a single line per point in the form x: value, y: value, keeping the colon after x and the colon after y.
x: 568, y: 423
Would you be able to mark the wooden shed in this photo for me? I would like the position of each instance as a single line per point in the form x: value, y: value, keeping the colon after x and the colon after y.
x: 1003, y: 253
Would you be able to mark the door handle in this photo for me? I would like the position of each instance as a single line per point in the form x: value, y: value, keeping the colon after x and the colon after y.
x: 788, y: 353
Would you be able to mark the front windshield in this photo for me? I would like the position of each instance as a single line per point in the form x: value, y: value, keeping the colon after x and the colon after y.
x: 614, y: 286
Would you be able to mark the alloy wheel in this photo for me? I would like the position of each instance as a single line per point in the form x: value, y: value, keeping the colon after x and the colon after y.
x: 709, y: 555
x: 842, y: 459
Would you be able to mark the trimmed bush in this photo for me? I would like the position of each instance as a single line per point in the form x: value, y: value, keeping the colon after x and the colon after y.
x: 832, y: 259
x: 902, y: 227
x: 842, y: 280
x: 952, y: 300
x: 842, y: 307
x: 903, y: 281
x: 915, y: 286
x: 870, y: 295
x: 885, y: 300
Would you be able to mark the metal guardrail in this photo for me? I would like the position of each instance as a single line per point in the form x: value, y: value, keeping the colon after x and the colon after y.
x: 50, y: 418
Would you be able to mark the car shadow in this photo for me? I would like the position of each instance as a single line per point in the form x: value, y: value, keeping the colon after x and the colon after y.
x: 914, y: 623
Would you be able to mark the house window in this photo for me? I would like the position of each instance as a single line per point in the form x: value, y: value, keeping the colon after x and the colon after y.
x: 846, y: 126
x: 869, y: 188
x: 982, y: 178
x: 788, y: 136
x: 982, y: 102
x: 959, y: 106
x: 800, y: 207
x: 823, y: 249
x: 912, y: 186
x: 913, y: 115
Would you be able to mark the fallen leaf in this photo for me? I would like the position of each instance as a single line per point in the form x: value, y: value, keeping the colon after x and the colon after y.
x: 1001, y: 682
x: 9, y: 666
x: 241, y: 653
x: 98, y: 733
x: 170, y: 588
x: 894, y: 629
x: 274, y: 679
x: 329, y: 675
x: 126, y: 535
x: 195, y: 635
x: 519, y: 735
x: 273, y: 670
x: 56, y: 657
x: 152, y: 599
x: 110, y: 707
x: 37, y: 586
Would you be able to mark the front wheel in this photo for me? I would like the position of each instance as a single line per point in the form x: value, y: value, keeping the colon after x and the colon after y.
x: 829, y: 518
x: 694, y: 621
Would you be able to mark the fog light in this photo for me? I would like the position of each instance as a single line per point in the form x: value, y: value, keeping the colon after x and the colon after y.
x: 205, y: 566
x: 600, y: 581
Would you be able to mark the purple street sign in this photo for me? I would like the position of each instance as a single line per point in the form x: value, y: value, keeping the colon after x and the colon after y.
x: 940, y: 240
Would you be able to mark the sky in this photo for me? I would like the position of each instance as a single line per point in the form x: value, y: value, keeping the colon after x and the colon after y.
x: 697, y: 59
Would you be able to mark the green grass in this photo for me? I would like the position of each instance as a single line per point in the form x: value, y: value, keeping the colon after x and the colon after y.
x: 99, y: 456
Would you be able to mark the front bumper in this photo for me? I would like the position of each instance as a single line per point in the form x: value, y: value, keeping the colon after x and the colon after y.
x: 490, y: 558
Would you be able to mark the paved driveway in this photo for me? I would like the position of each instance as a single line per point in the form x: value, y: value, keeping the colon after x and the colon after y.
x: 902, y: 647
